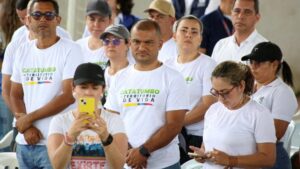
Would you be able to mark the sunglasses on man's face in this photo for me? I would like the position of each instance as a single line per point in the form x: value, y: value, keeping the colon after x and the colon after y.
x: 114, y: 42
x: 49, y: 16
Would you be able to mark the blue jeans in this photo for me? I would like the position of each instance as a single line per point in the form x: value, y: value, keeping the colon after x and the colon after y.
x: 282, y: 158
x: 174, y: 166
x: 33, y: 156
x: 6, y: 119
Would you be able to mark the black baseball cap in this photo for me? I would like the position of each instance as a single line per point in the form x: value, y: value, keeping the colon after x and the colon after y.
x: 89, y: 73
x: 264, y: 51
x: 98, y: 7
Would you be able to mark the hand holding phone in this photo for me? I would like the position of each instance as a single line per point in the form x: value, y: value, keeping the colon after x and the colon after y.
x: 195, y: 155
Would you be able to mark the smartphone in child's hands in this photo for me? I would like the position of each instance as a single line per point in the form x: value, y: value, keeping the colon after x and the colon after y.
x: 87, y: 105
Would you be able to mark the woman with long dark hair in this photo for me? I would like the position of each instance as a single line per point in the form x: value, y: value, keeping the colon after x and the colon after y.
x: 274, y: 92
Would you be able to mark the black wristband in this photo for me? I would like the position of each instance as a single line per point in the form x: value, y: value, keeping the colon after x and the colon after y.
x: 108, y: 141
x: 144, y: 151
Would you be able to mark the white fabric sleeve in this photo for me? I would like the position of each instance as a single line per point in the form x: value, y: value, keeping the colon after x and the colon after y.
x: 56, y: 125
x: 19, y: 32
x: 207, y: 78
x: 115, y: 124
x: 16, y: 76
x: 7, y: 65
x: 264, y: 128
x: 284, y: 104
x: 112, y: 100
x: 74, y: 58
x: 210, y: 112
x: 177, y: 98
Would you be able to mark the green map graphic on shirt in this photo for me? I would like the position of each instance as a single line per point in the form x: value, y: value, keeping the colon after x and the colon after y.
x: 36, y: 76
x: 188, y: 79
x: 139, y: 97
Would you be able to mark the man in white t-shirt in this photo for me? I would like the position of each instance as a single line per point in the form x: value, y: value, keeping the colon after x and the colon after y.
x: 152, y: 101
x: 20, y: 36
x: 245, y: 15
x: 163, y: 12
x: 41, y: 82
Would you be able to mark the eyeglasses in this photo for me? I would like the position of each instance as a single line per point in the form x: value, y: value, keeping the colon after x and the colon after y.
x: 114, y: 42
x: 224, y: 94
x: 49, y: 16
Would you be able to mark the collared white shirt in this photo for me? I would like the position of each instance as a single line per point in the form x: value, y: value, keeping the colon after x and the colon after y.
x: 279, y: 98
x: 228, y: 49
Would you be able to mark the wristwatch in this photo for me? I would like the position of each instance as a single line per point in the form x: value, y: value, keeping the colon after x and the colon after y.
x: 144, y: 151
x: 108, y: 141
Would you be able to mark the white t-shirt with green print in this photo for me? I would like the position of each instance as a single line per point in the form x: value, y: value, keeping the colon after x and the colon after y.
x: 143, y: 98
x: 197, y: 75
x: 41, y: 73
x: 93, y: 56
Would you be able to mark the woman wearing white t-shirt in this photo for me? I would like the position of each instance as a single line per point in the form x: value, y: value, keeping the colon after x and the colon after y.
x: 238, y: 132
x: 196, y: 69
x: 77, y: 140
x: 274, y: 93
x: 116, y: 46
x: 98, y: 18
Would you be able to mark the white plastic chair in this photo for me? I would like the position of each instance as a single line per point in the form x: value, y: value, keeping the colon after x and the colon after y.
x: 6, y: 140
x: 8, y: 159
x: 192, y: 164
x: 288, y: 136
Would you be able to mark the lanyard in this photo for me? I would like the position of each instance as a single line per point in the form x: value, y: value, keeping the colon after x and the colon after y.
x: 226, y: 27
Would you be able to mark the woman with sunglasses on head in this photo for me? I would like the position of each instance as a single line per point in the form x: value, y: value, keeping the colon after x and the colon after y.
x: 79, y: 140
x: 238, y: 132
x: 274, y: 93
x: 115, y: 39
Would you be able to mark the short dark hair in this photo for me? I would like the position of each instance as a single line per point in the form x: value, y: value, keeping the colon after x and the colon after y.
x: 189, y: 17
x: 146, y: 25
x: 256, y: 5
x: 21, y: 4
x: 53, y: 2
x: 125, y: 6
x: 234, y: 73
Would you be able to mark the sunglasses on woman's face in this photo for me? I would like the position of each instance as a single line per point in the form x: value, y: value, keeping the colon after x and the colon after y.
x: 114, y: 42
x: 49, y: 16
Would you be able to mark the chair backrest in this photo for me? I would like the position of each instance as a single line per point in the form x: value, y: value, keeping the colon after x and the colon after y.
x: 6, y: 140
x: 192, y: 164
x: 8, y: 159
x: 288, y: 136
